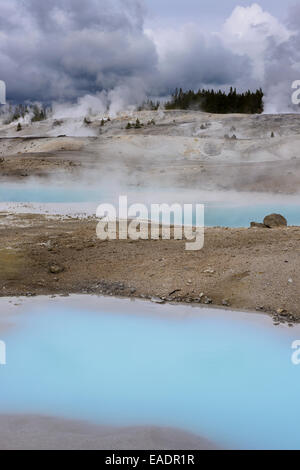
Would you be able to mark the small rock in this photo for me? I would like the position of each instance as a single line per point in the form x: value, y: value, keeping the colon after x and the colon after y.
x: 281, y: 311
x: 207, y: 301
x: 257, y: 225
x: 209, y: 271
x: 157, y: 300
x: 56, y: 269
x: 290, y: 281
x: 226, y: 303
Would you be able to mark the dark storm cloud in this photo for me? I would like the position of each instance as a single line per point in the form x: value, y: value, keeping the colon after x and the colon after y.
x: 65, y: 48
x: 107, y: 15
x: 62, y: 49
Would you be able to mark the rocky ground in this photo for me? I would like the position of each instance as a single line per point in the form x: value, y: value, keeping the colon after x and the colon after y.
x: 253, y: 269
x: 43, y: 433
x: 175, y: 148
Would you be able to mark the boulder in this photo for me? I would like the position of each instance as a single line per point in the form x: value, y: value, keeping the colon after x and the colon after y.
x: 275, y: 220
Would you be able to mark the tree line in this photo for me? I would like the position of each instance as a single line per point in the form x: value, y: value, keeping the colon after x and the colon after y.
x: 218, y: 102
x: 37, y: 113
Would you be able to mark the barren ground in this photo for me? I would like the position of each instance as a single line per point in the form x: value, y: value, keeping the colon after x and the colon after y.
x: 253, y: 269
x: 43, y: 433
x: 183, y: 149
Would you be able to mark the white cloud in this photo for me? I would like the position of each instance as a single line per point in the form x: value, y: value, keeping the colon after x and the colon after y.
x: 191, y: 58
x: 249, y: 30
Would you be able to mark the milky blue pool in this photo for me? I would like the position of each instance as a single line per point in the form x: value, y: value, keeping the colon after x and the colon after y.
x: 223, y: 214
x: 225, y: 376
x: 48, y: 193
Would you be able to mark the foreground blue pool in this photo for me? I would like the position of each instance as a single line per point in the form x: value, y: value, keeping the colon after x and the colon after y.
x: 223, y: 375
x: 220, y: 213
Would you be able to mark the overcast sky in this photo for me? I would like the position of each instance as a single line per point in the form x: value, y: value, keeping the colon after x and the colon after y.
x: 57, y: 50
x: 212, y: 11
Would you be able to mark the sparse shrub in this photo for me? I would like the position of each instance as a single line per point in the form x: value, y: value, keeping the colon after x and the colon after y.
x: 272, y: 135
x: 129, y: 126
x: 102, y: 122
x: 87, y: 121
x: 138, y: 124
x: 19, y: 127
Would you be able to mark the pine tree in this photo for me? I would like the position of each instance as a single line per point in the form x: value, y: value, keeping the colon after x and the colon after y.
x: 212, y: 101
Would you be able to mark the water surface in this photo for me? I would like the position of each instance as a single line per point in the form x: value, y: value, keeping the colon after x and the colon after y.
x: 224, y: 212
x: 225, y: 376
